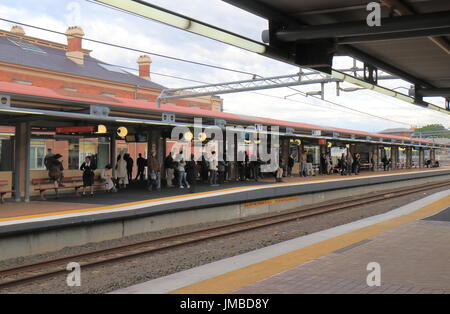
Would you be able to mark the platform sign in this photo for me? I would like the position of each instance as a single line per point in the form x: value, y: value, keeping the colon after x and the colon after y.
x: 75, y: 129
x: 316, y: 132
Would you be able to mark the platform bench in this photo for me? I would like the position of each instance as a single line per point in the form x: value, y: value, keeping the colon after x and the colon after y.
x: 4, y: 192
x: 69, y: 180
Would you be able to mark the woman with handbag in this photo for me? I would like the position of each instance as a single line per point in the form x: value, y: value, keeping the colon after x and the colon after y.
x: 88, y: 168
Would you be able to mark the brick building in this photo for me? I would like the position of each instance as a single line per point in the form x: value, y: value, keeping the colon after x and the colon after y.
x: 70, y: 70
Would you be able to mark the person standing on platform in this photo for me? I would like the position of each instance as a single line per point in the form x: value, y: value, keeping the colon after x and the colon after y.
x: 169, y: 168
x: 247, y: 169
x: 349, y: 163
x: 88, y: 168
x: 204, y: 169
x: 221, y: 172
x: 385, y: 162
x: 356, y: 164
x: 343, y: 164
x: 130, y: 163
x: 328, y: 163
x: 322, y: 164
x: 303, y: 166
x: 191, y: 173
x: 291, y: 163
x: 181, y: 167
x: 121, y: 172
x: 213, y: 168
x: 141, y: 163
x: 154, y: 172
x: 279, y: 171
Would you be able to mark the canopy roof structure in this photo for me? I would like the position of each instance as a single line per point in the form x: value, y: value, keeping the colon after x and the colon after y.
x: 411, y: 43
x: 50, y: 108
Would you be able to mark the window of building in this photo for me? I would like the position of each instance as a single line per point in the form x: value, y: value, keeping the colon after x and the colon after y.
x: 6, y: 152
x: 37, y: 155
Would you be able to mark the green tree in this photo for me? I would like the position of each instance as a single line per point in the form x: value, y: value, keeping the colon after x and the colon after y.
x: 433, y: 130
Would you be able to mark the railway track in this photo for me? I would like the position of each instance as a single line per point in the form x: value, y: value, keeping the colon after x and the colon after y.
x: 27, y: 273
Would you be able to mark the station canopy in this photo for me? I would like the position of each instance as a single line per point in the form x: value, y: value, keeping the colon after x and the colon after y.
x: 411, y: 43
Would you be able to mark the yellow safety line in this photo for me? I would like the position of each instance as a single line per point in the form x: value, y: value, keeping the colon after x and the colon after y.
x: 245, y: 276
x: 105, y: 208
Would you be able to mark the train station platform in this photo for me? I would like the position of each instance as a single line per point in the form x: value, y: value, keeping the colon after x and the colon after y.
x: 69, y: 203
x: 42, y: 226
x: 410, y: 244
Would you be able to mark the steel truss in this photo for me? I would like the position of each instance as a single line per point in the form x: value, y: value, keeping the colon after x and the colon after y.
x: 301, y: 78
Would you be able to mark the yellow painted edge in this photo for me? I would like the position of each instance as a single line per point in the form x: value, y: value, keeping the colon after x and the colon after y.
x: 237, y: 279
x: 105, y: 208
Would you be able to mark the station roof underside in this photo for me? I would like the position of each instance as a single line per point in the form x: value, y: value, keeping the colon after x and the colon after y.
x: 412, y: 42
x: 57, y: 103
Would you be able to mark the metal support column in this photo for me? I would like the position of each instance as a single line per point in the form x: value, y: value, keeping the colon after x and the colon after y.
x: 421, y: 158
x: 408, y: 157
x: 394, y: 157
x: 27, y: 140
x: 113, y: 153
x: 22, y: 162
x: 17, y: 170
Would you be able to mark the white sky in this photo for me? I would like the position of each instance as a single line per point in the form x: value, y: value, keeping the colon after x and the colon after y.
x: 108, y: 25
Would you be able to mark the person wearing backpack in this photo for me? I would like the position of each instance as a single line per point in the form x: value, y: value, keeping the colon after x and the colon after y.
x: 55, y: 170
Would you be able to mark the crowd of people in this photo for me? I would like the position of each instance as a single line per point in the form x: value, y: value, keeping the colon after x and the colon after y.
x: 187, y: 173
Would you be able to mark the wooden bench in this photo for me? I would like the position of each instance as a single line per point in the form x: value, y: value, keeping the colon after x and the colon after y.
x: 4, y: 192
x: 66, y: 180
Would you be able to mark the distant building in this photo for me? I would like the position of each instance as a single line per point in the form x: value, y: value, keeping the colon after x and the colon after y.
x: 398, y: 131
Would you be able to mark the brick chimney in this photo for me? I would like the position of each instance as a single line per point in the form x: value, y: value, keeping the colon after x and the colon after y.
x: 144, y: 62
x: 17, y: 30
x: 74, y: 44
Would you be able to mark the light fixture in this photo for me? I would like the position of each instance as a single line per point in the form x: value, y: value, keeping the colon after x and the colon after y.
x: 330, y: 145
x: 101, y: 129
x: 122, y: 131
x: 202, y: 137
x: 176, y: 20
x: 188, y: 136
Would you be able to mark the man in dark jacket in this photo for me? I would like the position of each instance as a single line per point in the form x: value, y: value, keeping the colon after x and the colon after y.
x: 130, y: 163
x: 169, y: 166
x: 191, y: 173
x: 141, y: 163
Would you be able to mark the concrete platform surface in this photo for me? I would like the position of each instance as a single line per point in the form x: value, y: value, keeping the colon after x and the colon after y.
x: 413, y: 254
